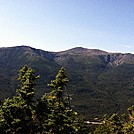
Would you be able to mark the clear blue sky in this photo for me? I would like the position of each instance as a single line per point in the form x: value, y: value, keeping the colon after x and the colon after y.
x: 56, y: 25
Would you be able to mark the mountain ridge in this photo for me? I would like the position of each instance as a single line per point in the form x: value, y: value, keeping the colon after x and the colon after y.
x: 101, y: 82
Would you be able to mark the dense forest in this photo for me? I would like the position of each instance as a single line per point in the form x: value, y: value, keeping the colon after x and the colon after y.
x: 52, y: 113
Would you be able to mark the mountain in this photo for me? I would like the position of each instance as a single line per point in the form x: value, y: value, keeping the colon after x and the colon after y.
x: 99, y: 82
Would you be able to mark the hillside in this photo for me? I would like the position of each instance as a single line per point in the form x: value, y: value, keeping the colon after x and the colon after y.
x: 100, y: 82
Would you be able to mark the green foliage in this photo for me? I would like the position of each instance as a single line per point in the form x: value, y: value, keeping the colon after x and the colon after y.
x: 131, y: 112
x: 17, y: 113
x: 27, y: 79
x: 50, y: 114
x: 59, y: 85
x: 116, y: 125
x: 62, y: 118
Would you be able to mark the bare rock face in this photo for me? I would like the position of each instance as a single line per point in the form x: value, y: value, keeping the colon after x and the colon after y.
x: 116, y: 59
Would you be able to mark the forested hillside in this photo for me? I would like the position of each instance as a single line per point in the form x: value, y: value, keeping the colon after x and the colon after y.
x: 99, y: 82
x: 52, y: 113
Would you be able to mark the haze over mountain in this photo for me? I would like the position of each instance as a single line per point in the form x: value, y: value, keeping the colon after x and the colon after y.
x: 99, y: 82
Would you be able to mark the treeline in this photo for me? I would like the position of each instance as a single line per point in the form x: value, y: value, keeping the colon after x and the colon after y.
x: 52, y: 112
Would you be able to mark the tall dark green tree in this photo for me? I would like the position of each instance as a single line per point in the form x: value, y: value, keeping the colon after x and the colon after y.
x: 59, y: 85
x: 17, y: 113
x: 27, y: 78
x: 63, y: 119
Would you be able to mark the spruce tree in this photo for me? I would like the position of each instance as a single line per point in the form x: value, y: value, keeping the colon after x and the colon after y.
x: 63, y: 119
x: 17, y: 113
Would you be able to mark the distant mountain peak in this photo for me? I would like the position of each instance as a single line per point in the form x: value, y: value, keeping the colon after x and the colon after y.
x: 77, y: 50
x: 84, y: 51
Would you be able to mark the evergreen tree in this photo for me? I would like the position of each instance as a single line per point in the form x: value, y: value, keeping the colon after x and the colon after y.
x: 17, y: 113
x: 63, y: 119
x: 27, y: 78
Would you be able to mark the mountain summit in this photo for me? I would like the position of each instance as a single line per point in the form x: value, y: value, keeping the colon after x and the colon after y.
x: 100, y: 82
x: 81, y: 50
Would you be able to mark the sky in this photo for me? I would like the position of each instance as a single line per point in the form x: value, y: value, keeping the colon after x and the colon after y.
x: 57, y: 25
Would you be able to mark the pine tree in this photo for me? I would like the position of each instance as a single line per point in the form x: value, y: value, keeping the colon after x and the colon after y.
x: 63, y: 119
x: 17, y: 113
x: 27, y: 79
